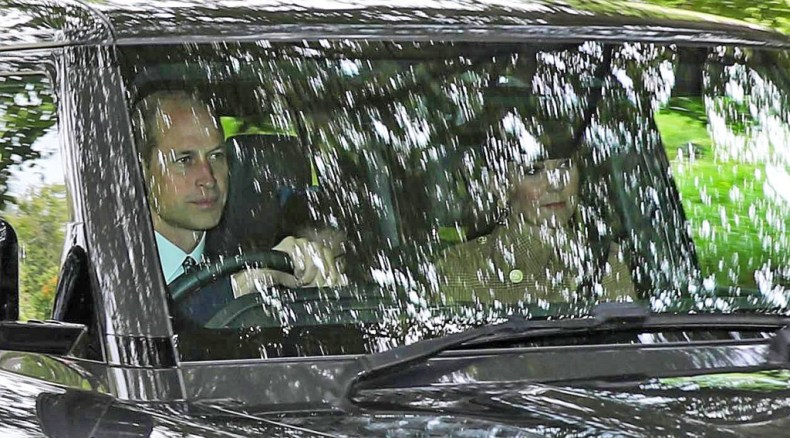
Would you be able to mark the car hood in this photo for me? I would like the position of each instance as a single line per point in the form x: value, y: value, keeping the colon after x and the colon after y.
x: 725, y: 404
x: 742, y: 404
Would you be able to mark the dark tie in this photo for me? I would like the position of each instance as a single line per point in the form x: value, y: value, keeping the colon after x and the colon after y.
x: 189, y: 264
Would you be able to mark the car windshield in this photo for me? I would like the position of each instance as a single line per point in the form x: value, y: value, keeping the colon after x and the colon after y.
x: 453, y: 184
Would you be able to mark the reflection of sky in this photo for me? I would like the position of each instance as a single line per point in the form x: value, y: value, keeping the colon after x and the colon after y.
x: 777, y: 183
x: 46, y: 170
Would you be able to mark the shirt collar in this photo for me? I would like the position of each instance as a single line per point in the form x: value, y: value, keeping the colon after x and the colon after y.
x: 171, y: 257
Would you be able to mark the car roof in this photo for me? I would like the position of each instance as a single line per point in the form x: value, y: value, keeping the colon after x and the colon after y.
x: 37, y: 23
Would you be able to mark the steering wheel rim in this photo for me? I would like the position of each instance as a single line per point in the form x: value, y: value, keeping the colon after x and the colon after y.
x: 187, y: 283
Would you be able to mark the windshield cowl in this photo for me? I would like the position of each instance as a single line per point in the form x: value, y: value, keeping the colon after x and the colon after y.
x: 691, y: 404
x: 634, y: 322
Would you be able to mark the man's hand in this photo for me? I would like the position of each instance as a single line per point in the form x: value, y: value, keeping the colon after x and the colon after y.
x: 318, y: 259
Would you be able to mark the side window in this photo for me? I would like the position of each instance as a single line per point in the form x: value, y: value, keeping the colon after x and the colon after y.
x: 727, y: 139
x: 32, y: 188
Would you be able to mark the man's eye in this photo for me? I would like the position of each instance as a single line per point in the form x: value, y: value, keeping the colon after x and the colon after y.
x: 219, y: 155
x: 183, y: 160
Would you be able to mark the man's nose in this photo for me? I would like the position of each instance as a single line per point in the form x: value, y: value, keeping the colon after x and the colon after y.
x: 205, y: 174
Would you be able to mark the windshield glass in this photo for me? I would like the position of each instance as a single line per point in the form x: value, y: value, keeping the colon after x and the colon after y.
x: 421, y: 188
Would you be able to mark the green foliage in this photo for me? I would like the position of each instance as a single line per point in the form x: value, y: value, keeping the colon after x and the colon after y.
x: 736, y: 230
x: 39, y: 219
x: 683, y: 128
x: 770, y: 13
x: 773, y: 380
x: 27, y: 112
x: 729, y: 232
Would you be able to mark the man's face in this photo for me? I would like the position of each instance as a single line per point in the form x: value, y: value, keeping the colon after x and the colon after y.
x: 188, y: 170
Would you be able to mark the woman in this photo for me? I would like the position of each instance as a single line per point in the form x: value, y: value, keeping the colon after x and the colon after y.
x: 540, y: 251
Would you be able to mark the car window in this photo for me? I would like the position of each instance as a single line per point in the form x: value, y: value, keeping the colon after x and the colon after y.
x: 32, y: 186
x: 727, y: 152
x: 461, y: 183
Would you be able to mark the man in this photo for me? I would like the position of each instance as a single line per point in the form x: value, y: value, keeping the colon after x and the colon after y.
x: 182, y: 150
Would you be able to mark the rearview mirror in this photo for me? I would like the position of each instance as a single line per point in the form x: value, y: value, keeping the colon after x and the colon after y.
x: 9, y: 273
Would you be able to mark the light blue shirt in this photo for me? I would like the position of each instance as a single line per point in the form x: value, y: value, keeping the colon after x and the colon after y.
x: 171, y: 257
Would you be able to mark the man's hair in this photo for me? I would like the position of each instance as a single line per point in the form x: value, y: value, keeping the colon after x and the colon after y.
x: 146, y: 114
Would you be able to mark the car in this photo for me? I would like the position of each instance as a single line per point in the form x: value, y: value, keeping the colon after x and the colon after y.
x: 643, y: 291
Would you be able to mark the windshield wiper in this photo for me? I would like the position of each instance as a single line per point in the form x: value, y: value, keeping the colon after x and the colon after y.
x: 604, y: 317
x: 377, y: 365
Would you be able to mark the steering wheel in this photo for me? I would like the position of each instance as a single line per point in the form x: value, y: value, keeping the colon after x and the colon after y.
x: 188, y: 283
x: 249, y: 309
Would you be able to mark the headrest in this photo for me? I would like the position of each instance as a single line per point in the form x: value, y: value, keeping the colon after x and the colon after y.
x: 266, y: 171
x: 266, y: 159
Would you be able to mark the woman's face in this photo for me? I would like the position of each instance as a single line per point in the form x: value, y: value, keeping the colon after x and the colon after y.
x: 544, y: 192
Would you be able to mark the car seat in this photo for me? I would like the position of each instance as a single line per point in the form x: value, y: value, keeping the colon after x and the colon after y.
x: 269, y: 175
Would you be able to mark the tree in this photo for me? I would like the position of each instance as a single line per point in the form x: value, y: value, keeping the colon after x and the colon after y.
x: 27, y: 111
x: 39, y: 219
x: 770, y: 13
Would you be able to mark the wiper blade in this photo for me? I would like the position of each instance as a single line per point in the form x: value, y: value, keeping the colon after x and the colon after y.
x: 377, y: 365
x: 609, y: 318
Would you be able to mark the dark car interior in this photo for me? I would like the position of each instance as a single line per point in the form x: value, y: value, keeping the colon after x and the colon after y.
x: 278, y: 184
x: 270, y: 176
